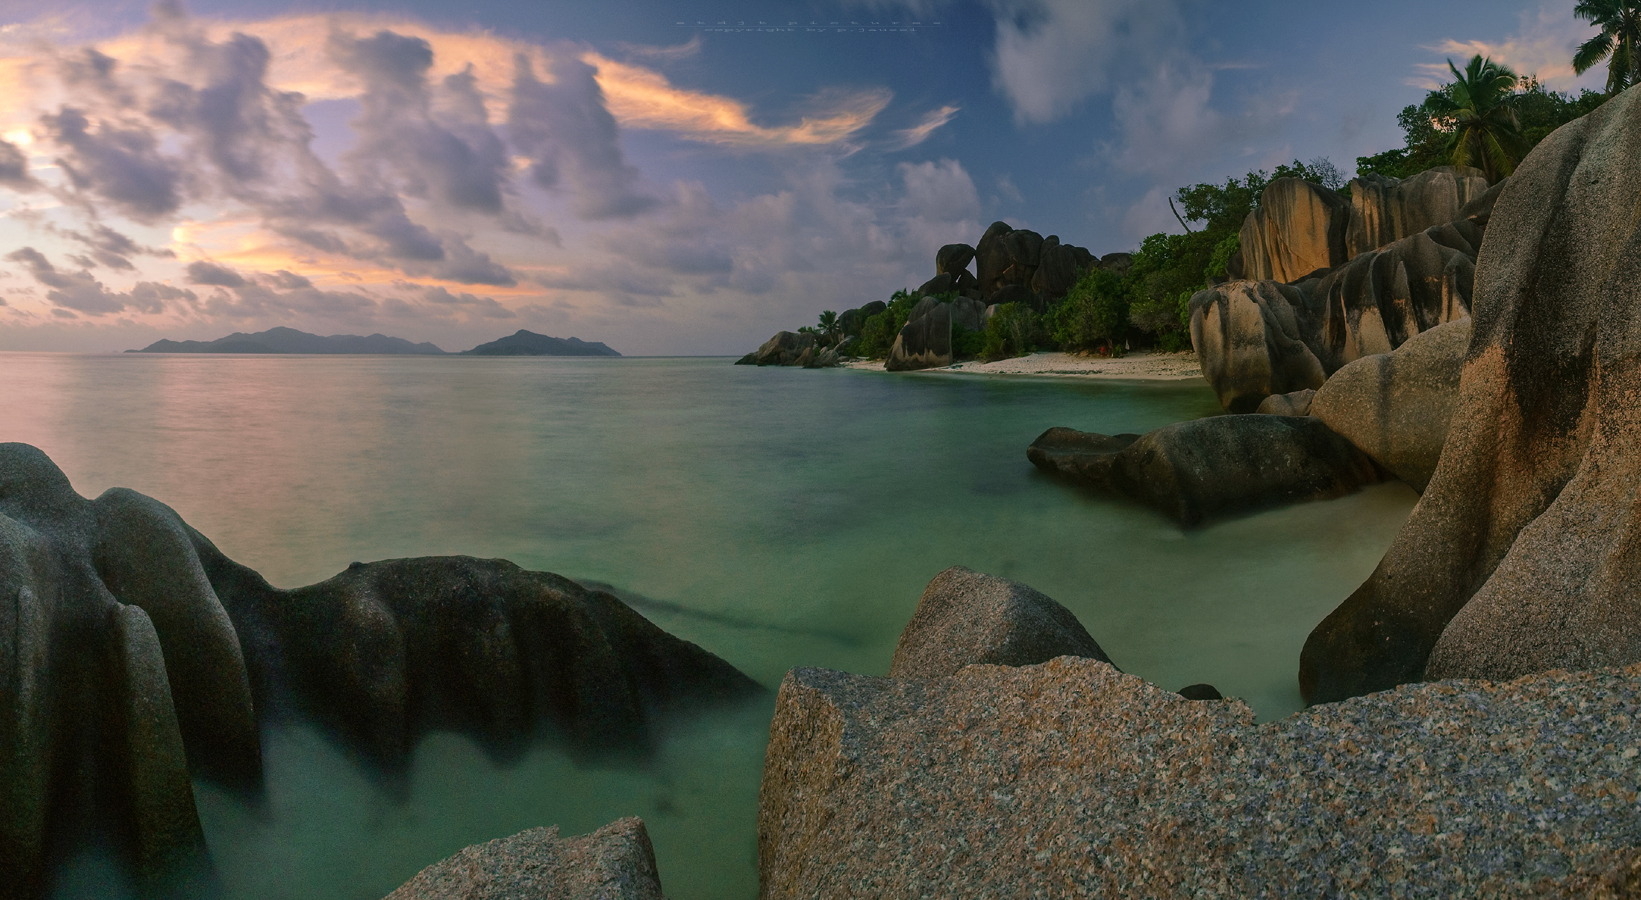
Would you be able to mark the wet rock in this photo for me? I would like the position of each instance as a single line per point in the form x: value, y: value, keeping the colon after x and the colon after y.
x: 615, y: 862
x: 953, y: 258
x: 1071, y: 779
x: 1298, y: 228
x: 1521, y: 555
x: 1251, y: 339
x: 1395, y: 406
x: 1193, y: 471
x: 1294, y: 403
x: 1201, y: 692
x: 965, y: 618
x: 135, y: 658
x: 1384, y: 210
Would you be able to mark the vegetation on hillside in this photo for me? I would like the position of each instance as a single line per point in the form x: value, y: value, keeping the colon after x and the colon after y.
x: 1487, y: 117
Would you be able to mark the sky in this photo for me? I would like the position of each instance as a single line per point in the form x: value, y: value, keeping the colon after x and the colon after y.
x: 668, y: 178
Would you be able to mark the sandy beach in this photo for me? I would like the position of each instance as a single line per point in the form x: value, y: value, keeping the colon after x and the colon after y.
x: 1139, y: 366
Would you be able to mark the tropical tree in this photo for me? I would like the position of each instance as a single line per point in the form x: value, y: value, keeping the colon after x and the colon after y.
x: 1619, y: 41
x: 829, y: 325
x: 1486, y: 133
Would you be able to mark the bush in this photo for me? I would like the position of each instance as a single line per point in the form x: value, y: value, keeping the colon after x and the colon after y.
x: 1011, y: 331
x: 880, y: 331
x: 1093, y: 314
x: 967, y: 344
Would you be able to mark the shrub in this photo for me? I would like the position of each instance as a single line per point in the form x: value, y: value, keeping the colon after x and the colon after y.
x: 1093, y: 314
x: 1011, y: 331
x: 967, y: 344
x: 879, y: 332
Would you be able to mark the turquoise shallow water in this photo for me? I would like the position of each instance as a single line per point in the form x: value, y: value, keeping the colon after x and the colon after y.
x: 777, y: 517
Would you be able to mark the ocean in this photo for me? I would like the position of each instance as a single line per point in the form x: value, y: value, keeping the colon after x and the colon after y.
x: 777, y: 517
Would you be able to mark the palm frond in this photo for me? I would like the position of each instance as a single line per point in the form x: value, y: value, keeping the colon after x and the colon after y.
x: 1592, y: 52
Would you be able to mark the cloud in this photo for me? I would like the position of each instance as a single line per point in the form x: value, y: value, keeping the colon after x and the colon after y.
x: 572, y: 140
x: 121, y: 165
x: 1050, y: 55
x: 1543, y: 45
x: 486, y: 307
x: 14, y: 167
x: 917, y: 134
x: 209, y: 273
x: 641, y: 98
x: 689, y: 48
x: 83, y: 293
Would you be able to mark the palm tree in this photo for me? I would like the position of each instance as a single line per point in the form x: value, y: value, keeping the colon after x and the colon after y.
x: 1486, y: 133
x: 1619, y: 41
x: 829, y: 324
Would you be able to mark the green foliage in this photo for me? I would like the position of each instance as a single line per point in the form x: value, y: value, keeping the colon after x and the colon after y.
x: 1167, y: 270
x: 880, y: 331
x: 1618, y: 42
x: 828, y: 325
x: 1093, y: 314
x: 1486, y: 132
x: 1542, y: 111
x: 1224, y: 207
x: 1012, y: 330
x: 967, y: 344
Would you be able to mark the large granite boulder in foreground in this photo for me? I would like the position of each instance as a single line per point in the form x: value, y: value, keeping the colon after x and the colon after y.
x: 134, y: 657
x: 1395, y: 406
x: 1222, y: 465
x: 615, y: 862
x: 1522, y: 554
x: 965, y: 618
x: 1069, y: 779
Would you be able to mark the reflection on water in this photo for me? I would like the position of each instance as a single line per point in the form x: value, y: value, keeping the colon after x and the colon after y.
x: 776, y: 517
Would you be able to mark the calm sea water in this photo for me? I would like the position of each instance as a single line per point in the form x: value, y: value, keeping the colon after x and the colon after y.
x: 777, y: 517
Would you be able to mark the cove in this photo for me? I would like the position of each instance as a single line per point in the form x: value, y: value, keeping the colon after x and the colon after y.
x: 776, y: 517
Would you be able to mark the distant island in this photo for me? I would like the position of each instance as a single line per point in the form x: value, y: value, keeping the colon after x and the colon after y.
x: 528, y: 343
x: 289, y: 340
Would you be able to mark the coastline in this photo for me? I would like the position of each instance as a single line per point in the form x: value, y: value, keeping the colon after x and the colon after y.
x: 1055, y: 364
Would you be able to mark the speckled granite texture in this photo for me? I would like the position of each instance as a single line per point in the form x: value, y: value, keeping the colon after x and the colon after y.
x: 615, y: 862
x: 1070, y: 779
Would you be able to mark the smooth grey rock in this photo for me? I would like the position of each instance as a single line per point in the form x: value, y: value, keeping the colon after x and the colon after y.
x: 1250, y: 337
x: 1293, y: 403
x: 615, y: 862
x: 1384, y: 210
x: 1222, y: 465
x: 1070, y: 779
x: 1025, y: 247
x: 1522, y: 554
x: 1395, y: 406
x: 784, y: 349
x: 926, y: 340
x: 1298, y: 228
x: 969, y: 313
x: 944, y: 283
x: 953, y: 258
x: 991, y: 258
x: 965, y: 618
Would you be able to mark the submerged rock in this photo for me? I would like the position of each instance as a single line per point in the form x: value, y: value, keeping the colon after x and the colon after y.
x: 1521, y: 556
x: 965, y: 618
x: 134, y: 657
x: 1222, y: 465
x: 1395, y: 406
x: 1072, y: 779
x: 615, y: 862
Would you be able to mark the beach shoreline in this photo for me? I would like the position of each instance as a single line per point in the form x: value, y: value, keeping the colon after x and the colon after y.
x: 1055, y: 364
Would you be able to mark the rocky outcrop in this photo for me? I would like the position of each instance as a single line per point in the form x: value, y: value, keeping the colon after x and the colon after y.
x: 952, y: 259
x: 615, y: 862
x: 1192, y: 471
x: 1383, y: 210
x: 1294, y: 403
x: 1059, y: 267
x: 1395, y: 406
x: 1258, y: 338
x: 784, y: 349
x: 1521, y: 555
x: 1071, y: 779
x: 965, y: 618
x: 1251, y: 338
x: 925, y: 342
x: 992, y: 259
x: 135, y: 657
x: 1298, y: 229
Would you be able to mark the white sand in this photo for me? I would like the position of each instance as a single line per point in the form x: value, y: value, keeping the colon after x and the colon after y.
x: 1140, y: 366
